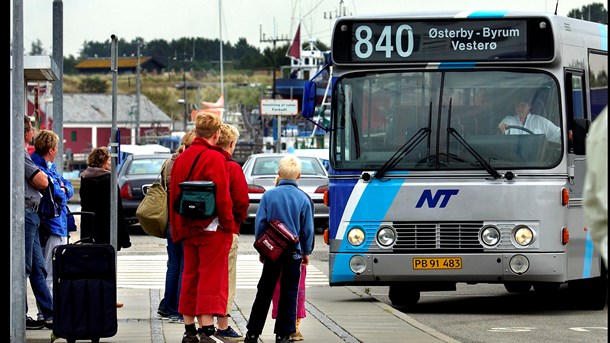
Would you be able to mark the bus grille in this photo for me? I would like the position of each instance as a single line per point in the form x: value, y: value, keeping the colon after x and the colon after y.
x: 445, y: 236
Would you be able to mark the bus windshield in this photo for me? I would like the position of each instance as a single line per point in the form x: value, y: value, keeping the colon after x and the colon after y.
x: 509, y: 119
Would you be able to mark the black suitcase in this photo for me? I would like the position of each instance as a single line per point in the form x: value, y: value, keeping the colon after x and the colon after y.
x: 84, y: 291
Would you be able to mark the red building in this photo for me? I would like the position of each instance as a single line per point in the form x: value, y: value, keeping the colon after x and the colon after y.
x: 87, y: 119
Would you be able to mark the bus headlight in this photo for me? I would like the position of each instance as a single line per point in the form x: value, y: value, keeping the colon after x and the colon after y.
x: 355, y: 236
x: 357, y: 264
x: 386, y: 236
x: 523, y: 235
x: 490, y: 236
x: 519, y: 264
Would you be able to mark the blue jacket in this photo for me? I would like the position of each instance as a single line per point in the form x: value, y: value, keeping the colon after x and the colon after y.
x: 58, y: 226
x: 294, y: 208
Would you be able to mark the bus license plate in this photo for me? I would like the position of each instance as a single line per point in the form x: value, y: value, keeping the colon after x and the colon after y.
x: 420, y: 263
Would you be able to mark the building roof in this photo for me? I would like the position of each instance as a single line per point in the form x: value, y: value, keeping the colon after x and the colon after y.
x: 88, y: 109
x: 123, y: 62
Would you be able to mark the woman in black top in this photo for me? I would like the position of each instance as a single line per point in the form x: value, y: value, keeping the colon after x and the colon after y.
x: 95, y: 197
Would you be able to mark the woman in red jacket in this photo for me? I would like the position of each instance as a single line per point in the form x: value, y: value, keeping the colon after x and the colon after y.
x: 206, y: 242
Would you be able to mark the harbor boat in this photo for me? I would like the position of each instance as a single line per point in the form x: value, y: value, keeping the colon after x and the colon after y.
x: 304, y: 64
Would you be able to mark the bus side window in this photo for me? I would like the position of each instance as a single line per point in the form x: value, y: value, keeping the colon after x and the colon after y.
x: 577, y: 122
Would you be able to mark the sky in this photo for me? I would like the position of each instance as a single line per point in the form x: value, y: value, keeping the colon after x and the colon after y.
x: 97, y: 20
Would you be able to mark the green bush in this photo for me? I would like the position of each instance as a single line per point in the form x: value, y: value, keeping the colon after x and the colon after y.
x: 93, y: 85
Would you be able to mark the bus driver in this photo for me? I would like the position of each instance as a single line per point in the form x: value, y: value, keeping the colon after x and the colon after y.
x: 532, y: 122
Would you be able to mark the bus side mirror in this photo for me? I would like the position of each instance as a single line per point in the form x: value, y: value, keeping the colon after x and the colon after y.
x: 309, y: 99
x: 309, y: 93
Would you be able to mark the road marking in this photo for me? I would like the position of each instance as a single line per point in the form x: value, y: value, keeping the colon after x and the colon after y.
x: 148, y: 272
x: 249, y: 271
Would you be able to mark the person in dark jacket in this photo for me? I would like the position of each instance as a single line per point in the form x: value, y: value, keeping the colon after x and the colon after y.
x: 95, y: 197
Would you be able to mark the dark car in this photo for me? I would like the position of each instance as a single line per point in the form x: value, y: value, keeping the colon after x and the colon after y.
x: 260, y: 171
x: 137, y: 173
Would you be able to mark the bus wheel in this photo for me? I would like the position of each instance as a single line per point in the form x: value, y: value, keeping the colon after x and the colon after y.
x: 517, y: 287
x: 590, y: 294
x: 402, y: 295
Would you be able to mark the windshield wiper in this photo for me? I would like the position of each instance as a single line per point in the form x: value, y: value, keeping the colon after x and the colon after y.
x: 490, y: 169
x: 403, y: 151
x: 354, y: 123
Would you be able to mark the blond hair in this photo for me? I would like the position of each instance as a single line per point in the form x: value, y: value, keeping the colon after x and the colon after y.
x: 228, y: 134
x: 206, y: 124
x: 290, y: 167
x: 44, y: 141
x: 186, y: 141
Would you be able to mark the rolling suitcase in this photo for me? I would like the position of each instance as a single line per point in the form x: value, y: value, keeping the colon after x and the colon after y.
x: 84, y: 291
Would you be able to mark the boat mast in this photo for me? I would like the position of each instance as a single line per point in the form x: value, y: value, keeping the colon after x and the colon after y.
x: 222, y: 78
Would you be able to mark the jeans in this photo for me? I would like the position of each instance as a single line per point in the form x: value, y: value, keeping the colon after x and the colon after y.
x: 173, y: 276
x: 34, y: 265
x: 52, y: 242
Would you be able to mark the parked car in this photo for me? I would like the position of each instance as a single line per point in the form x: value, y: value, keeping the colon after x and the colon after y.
x: 260, y: 171
x: 143, y: 149
x: 137, y: 173
x: 321, y: 154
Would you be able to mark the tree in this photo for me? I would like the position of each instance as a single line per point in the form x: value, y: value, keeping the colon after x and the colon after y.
x: 594, y: 12
x: 36, y: 49
x: 70, y: 64
x: 248, y: 57
x: 95, y: 49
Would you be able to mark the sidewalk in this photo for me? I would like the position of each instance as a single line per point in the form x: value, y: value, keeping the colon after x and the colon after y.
x: 334, y: 315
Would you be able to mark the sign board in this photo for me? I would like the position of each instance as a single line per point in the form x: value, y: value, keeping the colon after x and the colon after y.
x: 279, y: 107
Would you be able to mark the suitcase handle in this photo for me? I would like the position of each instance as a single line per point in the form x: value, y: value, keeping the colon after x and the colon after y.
x: 85, y: 239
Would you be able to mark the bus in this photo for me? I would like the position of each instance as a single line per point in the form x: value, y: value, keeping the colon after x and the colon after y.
x: 435, y: 179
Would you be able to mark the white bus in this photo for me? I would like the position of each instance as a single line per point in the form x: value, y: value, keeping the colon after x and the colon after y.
x: 457, y: 152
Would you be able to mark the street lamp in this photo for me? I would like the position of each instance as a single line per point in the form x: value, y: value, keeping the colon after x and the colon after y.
x: 184, y: 85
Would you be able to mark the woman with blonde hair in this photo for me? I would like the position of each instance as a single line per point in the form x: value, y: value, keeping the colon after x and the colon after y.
x: 54, y: 226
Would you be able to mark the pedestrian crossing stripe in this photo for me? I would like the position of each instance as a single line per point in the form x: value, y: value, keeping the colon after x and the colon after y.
x: 148, y: 272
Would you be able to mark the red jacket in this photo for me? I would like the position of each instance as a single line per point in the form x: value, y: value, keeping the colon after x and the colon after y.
x: 211, y: 166
x: 239, y: 191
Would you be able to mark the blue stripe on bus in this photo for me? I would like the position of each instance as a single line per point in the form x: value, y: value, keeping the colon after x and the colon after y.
x: 588, y: 258
x: 376, y: 200
x: 457, y: 65
x: 487, y: 14
x: 372, y: 206
x: 603, y: 32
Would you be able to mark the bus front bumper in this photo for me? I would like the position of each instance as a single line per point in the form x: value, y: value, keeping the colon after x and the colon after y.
x: 380, y: 269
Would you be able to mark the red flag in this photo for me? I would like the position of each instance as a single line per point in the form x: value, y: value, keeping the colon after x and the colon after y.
x: 295, y: 47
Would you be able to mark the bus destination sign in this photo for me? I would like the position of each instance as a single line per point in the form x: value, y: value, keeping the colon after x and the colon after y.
x: 460, y: 40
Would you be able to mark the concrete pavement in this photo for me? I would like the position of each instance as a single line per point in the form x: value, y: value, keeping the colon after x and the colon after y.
x: 334, y: 314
